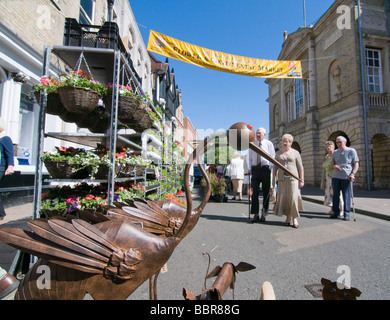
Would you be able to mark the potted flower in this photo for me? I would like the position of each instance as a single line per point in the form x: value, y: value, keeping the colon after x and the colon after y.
x: 134, y: 164
x: 218, y: 187
x: 65, y: 200
x: 66, y: 163
x: 98, y: 161
x: 54, y: 105
x: 79, y: 93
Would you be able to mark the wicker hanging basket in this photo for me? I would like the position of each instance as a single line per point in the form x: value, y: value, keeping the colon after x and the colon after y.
x: 64, y: 170
x: 78, y: 100
x: 70, y: 116
x: 130, y: 113
x: 100, y: 126
x: 102, y: 172
x: 54, y: 105
x: 95, y: 121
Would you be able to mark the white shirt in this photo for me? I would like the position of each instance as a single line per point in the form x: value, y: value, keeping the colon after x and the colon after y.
x: 237, y: 168
x: 268, y: 147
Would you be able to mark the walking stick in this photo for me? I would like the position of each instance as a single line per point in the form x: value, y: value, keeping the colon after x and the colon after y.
x: 249, y: 197
x: 353, y: 202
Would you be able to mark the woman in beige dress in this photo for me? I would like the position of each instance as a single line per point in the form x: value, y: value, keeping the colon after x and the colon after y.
x: 288, y: 201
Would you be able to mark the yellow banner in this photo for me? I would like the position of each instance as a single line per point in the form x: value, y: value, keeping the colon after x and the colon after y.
x: 176, y: 49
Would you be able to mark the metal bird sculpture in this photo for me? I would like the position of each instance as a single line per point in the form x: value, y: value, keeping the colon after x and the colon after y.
x: 109, y: 259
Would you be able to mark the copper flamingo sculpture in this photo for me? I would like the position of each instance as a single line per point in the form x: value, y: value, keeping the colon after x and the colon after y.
x: 108, y: 260
x: 162, y: 217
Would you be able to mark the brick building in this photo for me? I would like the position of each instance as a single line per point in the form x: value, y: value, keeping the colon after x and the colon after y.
x: 328, y: 100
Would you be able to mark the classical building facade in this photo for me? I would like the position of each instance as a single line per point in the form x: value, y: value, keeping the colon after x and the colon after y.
x: 344, y: 90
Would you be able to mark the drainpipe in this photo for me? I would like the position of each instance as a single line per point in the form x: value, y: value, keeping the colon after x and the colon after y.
x: 364, y: 100
x: 110, y: 4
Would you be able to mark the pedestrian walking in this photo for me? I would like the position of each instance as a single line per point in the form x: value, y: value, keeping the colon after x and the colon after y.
x: 6, y: 160
x: 237, y: 175
x: 260, y: 170
x: 288, y: 201
x: 345, y: 162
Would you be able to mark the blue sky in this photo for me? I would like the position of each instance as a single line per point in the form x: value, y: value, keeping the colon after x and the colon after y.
x: 251, y: 28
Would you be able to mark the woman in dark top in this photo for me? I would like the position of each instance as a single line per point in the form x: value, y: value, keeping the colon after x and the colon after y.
x: 7, y: 160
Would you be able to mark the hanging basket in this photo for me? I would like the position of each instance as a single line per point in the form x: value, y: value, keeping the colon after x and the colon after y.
x: 86, y: 121
x: 64, y: 170
x: 54, y: 105
x: 78, y: 100
x: 130, y: 113
x: 100, y: 126
x: 96, y: 121
x: 102, y: 172
x: 70, y: 116
x: 130, y: 170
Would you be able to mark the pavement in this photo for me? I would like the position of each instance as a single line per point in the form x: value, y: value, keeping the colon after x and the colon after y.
x: 277, y: 251
x: 374, y: 203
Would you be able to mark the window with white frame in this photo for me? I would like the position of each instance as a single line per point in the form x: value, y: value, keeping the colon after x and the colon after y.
x: 86, y: 11
x: 298, y: 97
x: 374, y: 70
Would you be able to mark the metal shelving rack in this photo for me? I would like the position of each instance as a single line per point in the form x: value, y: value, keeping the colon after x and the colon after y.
x: 106, y: 65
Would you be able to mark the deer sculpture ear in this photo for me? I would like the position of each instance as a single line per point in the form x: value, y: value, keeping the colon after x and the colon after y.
x: 356, y: 292
x: 215, y: 272
x: 325, y: 282
x: 243, y: 266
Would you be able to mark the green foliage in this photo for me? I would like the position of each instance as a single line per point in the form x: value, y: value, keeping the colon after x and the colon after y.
x: 218, y: 185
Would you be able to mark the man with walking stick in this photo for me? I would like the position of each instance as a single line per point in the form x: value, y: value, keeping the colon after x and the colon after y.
x: 345, y: 161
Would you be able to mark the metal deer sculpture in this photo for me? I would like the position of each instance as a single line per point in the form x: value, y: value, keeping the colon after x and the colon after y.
x: 338, y: 291
x: 226, y: 277
x: 108, y: 260
x: 331, y: 290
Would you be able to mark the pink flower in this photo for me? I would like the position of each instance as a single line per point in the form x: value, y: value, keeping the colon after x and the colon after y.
x: 90, y: 197
x: 45, y: 82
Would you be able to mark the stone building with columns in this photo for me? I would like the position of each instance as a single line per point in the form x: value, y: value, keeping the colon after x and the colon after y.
x: 344, y: 90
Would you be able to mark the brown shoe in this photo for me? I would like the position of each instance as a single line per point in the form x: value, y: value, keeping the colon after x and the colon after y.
x: 8, y: 284
x: 255, y: 218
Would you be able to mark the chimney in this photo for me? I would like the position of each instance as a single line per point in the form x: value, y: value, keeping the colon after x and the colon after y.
x: 285, y: 35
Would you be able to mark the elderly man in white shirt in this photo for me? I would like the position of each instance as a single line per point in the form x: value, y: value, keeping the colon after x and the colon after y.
x: 260, y: 169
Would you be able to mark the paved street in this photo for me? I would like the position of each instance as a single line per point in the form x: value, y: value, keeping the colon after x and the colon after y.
x: 289, y: 258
